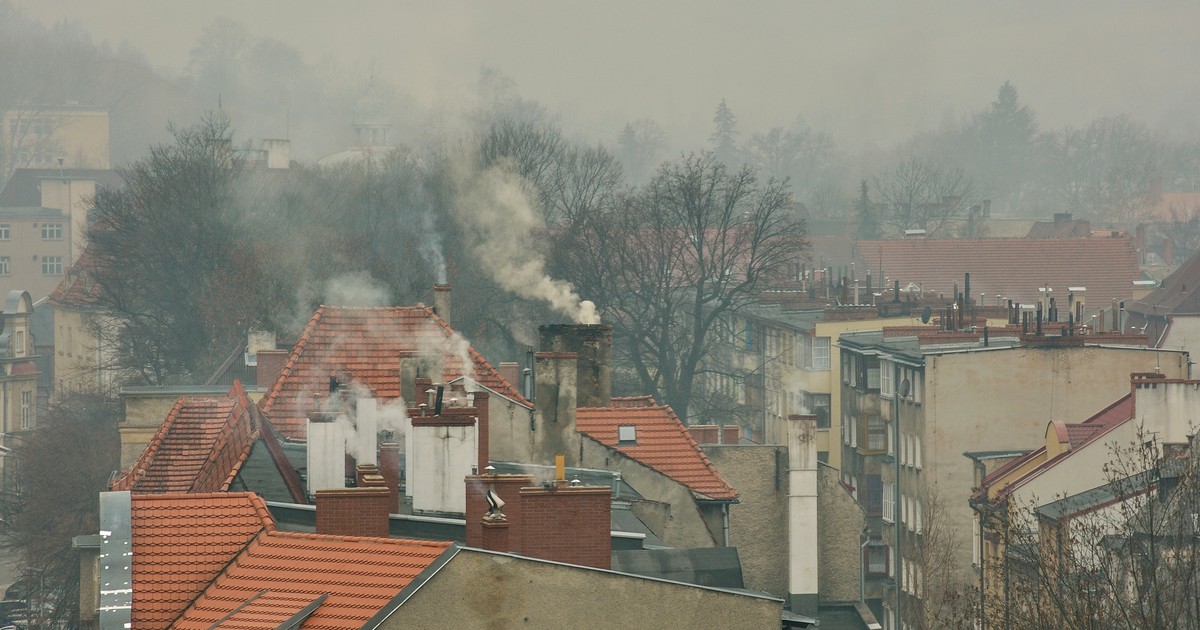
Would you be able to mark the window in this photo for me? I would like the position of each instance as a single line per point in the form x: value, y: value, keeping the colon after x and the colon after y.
x: 26, y: 409
x: 5, y: 265
x: 627, y: 434
x: 846, y: 428
x: 820, y: 353
x: 5, y: 231
x: 51, y: 231
x: 747, y: 335
x: 917, y: 451
x: 876, y: 558
x: 873, y: 495
x: 52, y: 266
x: 904, y: 449
x: 873, y: 431
x: 888, y: 509
x: 917, y: 515
x: 885, y: 378
x: 19, y: 340
x: 818, y: 405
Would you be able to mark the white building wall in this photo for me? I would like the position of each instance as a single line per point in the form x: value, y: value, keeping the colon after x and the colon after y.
x: 441, y: 456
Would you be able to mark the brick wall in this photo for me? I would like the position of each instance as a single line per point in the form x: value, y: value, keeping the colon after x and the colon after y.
x: 353, y: 511
x: 270, y: 363
x: 389, y: 469
x: 508, y: 487
x: 566, y: 524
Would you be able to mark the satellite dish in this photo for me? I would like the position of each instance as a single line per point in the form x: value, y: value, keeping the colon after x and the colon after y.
x: 926, y: 313
x: 905, y: 386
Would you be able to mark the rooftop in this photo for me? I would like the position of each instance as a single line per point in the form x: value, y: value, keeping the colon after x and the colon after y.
x: 662, y: 443
x: 198, y: 448
x: 1011, y: 267
x: 365, y: 344
x: 205, y: 559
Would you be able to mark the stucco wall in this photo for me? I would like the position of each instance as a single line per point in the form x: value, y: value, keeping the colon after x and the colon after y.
x: 758, y: 523
x: 483, y: 590
x: 839, y: 521
x: 1003, y: 400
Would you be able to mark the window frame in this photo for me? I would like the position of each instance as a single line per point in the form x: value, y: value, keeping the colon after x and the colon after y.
x: 52, y: 265
x: 52, y: 231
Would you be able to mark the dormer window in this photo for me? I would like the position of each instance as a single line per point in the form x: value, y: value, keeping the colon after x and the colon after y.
x: 627, y: 434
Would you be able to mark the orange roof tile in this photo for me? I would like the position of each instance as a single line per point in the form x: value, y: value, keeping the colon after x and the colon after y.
x: 181, y: 542
x: 663, y: 443
x: 367, y: 343
x: 199, y: 447
x: 359, y: 575
x: 1014, y: 268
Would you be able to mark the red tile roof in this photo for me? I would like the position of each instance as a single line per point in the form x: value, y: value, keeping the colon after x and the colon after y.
x: 203, y: 558
x: 199, y: 447
x: 181, y: 542
x: 1014, y: 268
x: 366, y: 343
x: 77, y: 288
x: 663, y: 443
x: 359, y: 575
x: 24, y: 368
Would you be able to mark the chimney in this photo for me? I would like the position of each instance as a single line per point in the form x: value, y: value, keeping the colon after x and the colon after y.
x: 567, y: 523
x: 592, y: 345
x: 1139, y: 241
x: 987, y: 208
x: 414, y: 367
x: 270, y: 364
x: 731, y: 434
x: 441, y: 301
x: 361, y: 511
x: 366, y: 431
x: 556, y: 401
x: 326, y: 452
x: 802, y: 512
x: 510, y: 371
x: 442, y: 448
x: 389, y: 469
x: 279, y: 153
x: 481, y: 411
x: 1168, y: 258
x: 508, y: 488
x: 705, y: 433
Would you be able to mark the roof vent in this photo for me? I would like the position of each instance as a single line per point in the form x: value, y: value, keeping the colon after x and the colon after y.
x: 627, y: 434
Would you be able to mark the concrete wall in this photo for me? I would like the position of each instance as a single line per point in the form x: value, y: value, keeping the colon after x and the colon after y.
x: 758, y: 523
x: 1184, y: 334
x: 1003, y: 399
x: 839, y: 520
x: 483, y: 590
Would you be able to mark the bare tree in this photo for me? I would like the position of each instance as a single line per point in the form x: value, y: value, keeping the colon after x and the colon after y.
x: 670, y: 261
x: 1126, y: 554
x: 940, y: 595
x: 53, y: 502
x: 921, y: 194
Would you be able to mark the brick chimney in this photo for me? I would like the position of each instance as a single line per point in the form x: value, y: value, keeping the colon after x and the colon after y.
x: 361, y: 511
x: 441, y: 301
x: 731, y: 434
x: 511, y: 372
x: 592, y: 345
x: 508, y: 487
x: 556, y: 402
x: 705, y: 433
x: 270, y: 364
x: 565, y: 523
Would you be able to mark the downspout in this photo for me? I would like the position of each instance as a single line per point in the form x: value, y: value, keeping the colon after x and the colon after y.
x: 862, y: 566
x: 896, y: 494
x: 725, y: 521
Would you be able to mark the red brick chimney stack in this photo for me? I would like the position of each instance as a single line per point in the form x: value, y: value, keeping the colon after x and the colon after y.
x: 361, y: 511
x: 565, y: 523
x: 270, y: 364
x: 441, y: 301
x: 389, y: 469
x: 508, y: 487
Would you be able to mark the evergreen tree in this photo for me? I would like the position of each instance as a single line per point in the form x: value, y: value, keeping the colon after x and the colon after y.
x: 722, y: 140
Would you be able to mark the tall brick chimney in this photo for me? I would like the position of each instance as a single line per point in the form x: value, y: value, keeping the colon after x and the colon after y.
x: 556, y: 402
x: 441, y: 301
x: 592, y: 345
x: 389, y: 469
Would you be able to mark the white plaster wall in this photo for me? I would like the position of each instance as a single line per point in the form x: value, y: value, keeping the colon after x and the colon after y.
x: 326, y: 456
x: 441, y: 457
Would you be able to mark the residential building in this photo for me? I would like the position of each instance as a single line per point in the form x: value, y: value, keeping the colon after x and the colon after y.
x: 43, y: 219
x: 18, y: 377
x: 913, y: 401
x: 1069, y: 473
x: 1170, y: 314
x: 47, y: 136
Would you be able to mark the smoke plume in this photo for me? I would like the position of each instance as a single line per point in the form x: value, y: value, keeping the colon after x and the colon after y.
x: 495, y: 208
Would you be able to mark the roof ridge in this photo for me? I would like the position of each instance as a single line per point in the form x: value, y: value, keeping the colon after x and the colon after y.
x: 696, y: 445
x: 345, y: 538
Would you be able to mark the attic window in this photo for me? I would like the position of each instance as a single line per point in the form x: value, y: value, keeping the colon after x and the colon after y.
x: 627, y: 434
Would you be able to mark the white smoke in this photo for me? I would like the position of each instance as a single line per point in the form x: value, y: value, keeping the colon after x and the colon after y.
x: 431, y: 247
x: 356, y: 288
x: 495, y: 208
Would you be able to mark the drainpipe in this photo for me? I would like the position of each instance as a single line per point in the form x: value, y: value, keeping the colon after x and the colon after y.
x: 862, y: 566
x: 725, y: 521
x: 898, y: 566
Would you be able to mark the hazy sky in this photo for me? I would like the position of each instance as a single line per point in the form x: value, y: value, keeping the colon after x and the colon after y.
x: 869, y: 72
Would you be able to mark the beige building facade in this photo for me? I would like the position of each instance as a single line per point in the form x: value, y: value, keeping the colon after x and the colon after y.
x: 50, y: 137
